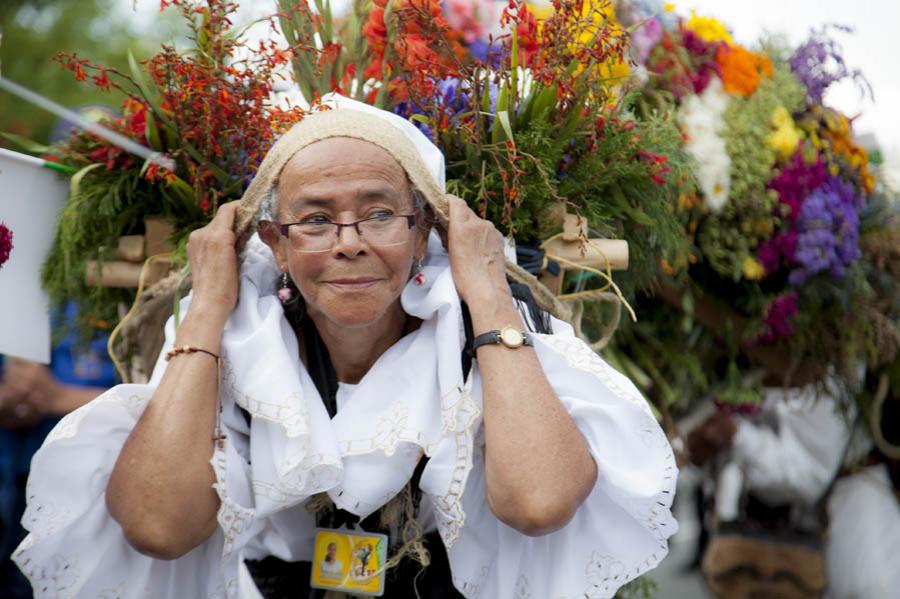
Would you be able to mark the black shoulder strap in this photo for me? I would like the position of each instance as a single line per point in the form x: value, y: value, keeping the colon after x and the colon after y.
x: 318, y: 364
x: 537, y: 317
x: 467, y: 352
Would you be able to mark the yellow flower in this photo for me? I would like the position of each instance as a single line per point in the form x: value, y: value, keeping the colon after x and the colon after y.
x: 542, y: 11
x: 785, y: 138
x: 667, y: 268
x: 669, y: 7
x: 753, y: 269
x: 602, y: 15
x: 709, y: 29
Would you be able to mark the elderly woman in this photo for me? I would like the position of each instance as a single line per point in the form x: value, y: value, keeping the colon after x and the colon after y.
x: 346, y: 357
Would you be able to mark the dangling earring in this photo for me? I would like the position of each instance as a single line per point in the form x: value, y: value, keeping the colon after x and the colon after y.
x: 285, y: 293
x: 418, y: 276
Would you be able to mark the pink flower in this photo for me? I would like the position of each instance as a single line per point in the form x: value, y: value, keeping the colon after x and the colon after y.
x: 6, y: 243
x: 778, y: 318
x: 645, y: 38
x: 468, y: 17
x: 778, y: 250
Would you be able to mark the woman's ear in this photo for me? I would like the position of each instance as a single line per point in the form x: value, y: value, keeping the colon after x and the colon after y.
x: 271, y: 235
x: 421, y: 245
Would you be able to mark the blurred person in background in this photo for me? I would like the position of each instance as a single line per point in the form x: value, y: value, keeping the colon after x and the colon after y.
x: 33, y: 398
x: 798, y: 464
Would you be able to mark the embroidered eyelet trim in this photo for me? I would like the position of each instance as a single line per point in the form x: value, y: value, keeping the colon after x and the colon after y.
x: 290, y: 412
x: 581, y: 357
x: 56, y: 579
x: 68, y: 426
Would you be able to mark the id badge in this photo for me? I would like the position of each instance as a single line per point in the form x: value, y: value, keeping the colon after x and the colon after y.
x: 349, y: 560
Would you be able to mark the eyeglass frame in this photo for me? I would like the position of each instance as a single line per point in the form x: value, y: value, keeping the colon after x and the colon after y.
x: 284, y: 229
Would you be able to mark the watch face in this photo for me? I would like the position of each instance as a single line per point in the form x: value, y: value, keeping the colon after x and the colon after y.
x: 511, y: 337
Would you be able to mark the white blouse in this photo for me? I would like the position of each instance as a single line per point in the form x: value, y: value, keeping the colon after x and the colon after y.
x: 413, y: 399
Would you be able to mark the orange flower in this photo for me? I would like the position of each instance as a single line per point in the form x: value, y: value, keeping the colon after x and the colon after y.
x: 741, y: 69
x: 415, y: 22
x: 528, y: 33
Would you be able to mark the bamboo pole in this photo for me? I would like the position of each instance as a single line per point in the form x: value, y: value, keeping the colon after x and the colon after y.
x: 124, y: 275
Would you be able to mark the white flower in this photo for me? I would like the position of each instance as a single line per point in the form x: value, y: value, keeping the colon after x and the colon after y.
x: 701, y: 119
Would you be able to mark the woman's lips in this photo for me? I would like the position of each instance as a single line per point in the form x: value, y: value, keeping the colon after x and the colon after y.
x: 352, y: 284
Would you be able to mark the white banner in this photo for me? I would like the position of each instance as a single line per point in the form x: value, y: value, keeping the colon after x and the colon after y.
x: 31, y: 198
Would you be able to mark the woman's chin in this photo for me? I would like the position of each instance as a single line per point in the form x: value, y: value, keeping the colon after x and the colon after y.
x: 354, y: 318
x: 354, y: 310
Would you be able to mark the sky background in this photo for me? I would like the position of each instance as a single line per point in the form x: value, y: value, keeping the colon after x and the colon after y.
x: 874, y: 48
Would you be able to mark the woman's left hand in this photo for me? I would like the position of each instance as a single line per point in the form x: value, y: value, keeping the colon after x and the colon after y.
x: 476, y: 254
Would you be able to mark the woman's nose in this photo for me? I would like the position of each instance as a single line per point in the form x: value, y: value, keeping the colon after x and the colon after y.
x: 349, y: 242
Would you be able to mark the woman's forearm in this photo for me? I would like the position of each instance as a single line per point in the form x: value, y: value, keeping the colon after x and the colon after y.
x: 538, y: 467
x: 161, y: 490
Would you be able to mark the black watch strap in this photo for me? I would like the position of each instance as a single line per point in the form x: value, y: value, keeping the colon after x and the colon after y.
x: 493, y: 337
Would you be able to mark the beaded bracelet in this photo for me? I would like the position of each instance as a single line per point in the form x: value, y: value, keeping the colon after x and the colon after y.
x: 188, y: 349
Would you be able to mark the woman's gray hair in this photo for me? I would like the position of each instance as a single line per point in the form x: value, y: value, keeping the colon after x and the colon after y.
x: 268, y: 210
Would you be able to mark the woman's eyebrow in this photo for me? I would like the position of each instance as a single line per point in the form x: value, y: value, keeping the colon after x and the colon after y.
x: 381, y: 193
x: 312, y: 202
x: 365, y: 195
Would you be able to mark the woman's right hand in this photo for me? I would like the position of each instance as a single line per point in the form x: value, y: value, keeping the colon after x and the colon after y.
x: 213, y: 259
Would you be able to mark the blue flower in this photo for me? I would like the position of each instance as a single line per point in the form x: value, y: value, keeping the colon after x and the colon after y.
x: 448, y: 102
x: 828, y: 226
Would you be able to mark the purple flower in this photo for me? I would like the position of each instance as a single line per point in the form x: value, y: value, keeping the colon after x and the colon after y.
x: 695, y: 44
x: 449, y: 100
x: 796, y: 180
x: 645, y: 38
x: 828, y: 226
x: 489, y: 54
x: 6, y: 243
x: 704, y: 55
x: 818, y: 63
x: 406, y: 109
x: 777, y: 250
x: 778, y: 318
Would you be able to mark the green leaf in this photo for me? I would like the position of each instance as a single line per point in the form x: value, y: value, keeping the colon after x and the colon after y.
x: 152, y: 132
x: 640, y: 217
x: 502, y: 107
x: 544, y: 101
x: 503, y: 117
x: 138, y: 75
x: 184, y: 191
x: 27, y: 144
x: 75, y: 182
x: 514, y: 64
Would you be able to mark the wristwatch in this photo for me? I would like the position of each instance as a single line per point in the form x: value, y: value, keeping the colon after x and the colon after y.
x: 507, y: 336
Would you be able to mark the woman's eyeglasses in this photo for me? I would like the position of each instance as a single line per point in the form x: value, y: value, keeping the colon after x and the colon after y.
x: 321, y: 236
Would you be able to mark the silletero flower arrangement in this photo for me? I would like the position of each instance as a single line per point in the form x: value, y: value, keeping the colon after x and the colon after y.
x: 531, y: 108
x: 776, y: 275
x: 209, y: 108
x: 534, y: 116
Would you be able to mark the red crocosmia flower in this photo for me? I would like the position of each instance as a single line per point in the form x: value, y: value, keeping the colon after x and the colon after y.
x: 527, y: 33
x: 101, y: 80
x: 137, y: 124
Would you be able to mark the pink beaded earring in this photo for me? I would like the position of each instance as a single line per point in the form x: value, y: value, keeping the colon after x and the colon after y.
x: 285, y: 293
x: 418, y: 275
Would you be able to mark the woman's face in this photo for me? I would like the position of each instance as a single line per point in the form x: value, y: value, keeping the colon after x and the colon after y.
x: 343, y: 180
